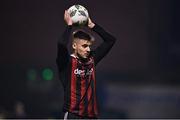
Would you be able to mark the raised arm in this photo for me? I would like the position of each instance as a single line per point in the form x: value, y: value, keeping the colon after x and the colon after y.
x: 62, y: 53
x: 108, y: 41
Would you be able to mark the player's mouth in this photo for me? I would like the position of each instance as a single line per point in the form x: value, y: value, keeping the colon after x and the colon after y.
x: 87, y: 54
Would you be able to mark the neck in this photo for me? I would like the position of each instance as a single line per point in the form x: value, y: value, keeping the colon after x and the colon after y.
x: 80, y: 58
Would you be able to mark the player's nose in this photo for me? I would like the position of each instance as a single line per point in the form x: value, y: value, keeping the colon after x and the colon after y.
x: 88, y: 49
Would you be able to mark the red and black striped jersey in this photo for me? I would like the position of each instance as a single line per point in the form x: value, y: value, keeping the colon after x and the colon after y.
x: 78, y: 76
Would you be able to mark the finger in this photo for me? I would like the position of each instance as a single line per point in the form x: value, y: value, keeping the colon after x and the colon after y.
x: 89, y: 20
x: 65, y: 14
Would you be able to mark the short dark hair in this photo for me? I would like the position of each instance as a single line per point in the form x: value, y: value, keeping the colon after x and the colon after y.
x: 81, y: 35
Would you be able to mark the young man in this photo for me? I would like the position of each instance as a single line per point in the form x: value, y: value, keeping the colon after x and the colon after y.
x: 77, y: 71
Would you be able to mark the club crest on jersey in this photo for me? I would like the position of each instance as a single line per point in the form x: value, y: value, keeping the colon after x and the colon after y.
x: 83, y: 72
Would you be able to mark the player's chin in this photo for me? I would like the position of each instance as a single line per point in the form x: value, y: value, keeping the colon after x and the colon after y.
x: 85, y: 56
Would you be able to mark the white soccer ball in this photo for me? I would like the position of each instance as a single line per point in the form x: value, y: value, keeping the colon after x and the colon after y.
x: 79, y: 14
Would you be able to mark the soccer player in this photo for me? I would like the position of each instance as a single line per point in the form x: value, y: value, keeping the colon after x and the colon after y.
x: 77, y: 70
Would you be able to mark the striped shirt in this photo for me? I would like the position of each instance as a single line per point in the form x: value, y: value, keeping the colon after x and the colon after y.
x: 78, y: 76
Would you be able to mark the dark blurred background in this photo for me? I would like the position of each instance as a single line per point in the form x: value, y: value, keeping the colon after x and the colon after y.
x: 139, y: 78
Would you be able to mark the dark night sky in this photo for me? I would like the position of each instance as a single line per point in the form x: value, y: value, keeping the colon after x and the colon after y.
x: 30, y: 30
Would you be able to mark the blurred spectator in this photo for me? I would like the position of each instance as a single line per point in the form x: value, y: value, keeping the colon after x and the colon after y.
x: 19, y: 110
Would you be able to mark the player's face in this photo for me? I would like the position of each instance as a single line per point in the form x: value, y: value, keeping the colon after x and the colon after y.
x: 82, y: 47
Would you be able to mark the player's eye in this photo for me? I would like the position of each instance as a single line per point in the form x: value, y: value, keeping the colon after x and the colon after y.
x: 85, y: 45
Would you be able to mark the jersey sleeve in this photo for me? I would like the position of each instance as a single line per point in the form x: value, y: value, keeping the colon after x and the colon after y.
x: 103, y: 48
x: 62, y: 49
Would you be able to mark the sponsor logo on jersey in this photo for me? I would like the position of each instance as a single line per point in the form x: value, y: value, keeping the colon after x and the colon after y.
x: 83, y: 72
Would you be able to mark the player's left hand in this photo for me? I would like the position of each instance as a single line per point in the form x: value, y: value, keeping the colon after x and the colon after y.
x: 90, y: 23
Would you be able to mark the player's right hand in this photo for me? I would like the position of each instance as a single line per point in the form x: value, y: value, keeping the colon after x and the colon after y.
x: 67, y: 18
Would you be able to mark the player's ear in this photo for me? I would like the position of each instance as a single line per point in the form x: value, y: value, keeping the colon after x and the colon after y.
x: 74, y: 45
